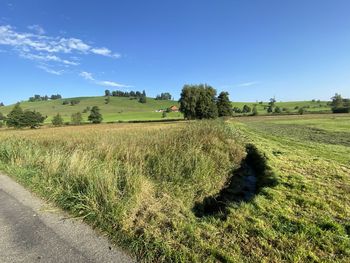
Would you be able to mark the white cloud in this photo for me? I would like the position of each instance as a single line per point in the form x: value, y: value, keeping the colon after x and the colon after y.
x: 112, y: 84
x: 48, y: 57
x: 106, y: 83
x: 86, y: 75
x: 104, y: 52
x: 39, y: 42
x: 51, y: 71
x: 37, y: 29
x: 39, y: 47
x: 248, y: 84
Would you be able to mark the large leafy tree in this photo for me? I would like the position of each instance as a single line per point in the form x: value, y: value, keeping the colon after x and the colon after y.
x: 206, y: 107
x: 15, y: 117
x: 224, y: 104
x: 337, y: 101
x: 95, y: 115
x: 18, y: 118
x: 188, y: 101
x: 198, y: 102
x: 33, y: 119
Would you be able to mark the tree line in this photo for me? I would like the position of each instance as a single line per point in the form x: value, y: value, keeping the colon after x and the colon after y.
x: 164, y: 96
x: 37, y: 97
x: 140, y: 96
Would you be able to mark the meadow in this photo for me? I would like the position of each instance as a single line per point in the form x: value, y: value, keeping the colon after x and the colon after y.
x: 288, y: 107
x: 184, y: 191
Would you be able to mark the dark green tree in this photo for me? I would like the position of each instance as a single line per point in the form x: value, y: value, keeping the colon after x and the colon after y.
x: 15, y: 117
x: 107, y: 93
x: 95, y: 115
x: 18, y: 118
x: 206, y: 104
x: 188, y: 101
x: 224, y: 104
x: 57, y: 120
x: 32, y: 119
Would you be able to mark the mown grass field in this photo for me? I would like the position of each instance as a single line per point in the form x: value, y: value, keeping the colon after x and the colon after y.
x: 118, y: 109
x: 288, y: 106
x: 141, y: 184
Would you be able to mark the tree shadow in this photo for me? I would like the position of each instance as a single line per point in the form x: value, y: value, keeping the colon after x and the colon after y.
x: 244, y: 184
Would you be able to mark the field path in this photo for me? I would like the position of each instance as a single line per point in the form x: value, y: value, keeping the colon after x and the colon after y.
x: 33, y: 231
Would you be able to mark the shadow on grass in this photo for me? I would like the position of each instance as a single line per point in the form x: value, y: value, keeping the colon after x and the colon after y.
x: 244, y: 184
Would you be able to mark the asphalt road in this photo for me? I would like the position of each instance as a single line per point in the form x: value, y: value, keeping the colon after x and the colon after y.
x: 34, y: 231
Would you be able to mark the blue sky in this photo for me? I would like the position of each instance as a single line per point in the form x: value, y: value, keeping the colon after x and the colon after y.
x: 291, y: 49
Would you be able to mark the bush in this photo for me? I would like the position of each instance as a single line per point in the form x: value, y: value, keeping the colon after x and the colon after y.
x: 74, y: 102
x: 278, y: 110
x: 57, y: 120
x: 76, y: 118
x: 341, y: 110
x: 246, y: 109
x: 255, y: 111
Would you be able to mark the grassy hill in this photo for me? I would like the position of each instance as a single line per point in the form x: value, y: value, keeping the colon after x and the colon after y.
x: 118, y: 109
x: 126, y: 109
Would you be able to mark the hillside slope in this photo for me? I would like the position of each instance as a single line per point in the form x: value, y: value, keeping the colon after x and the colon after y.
x: 126, y: 109
x: 118, y: 109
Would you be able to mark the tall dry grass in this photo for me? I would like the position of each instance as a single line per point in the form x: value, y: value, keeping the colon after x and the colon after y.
x: 138, y: 182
